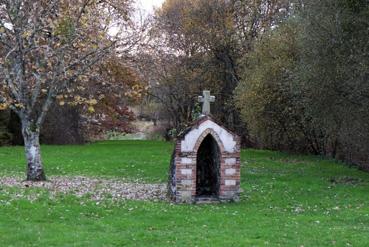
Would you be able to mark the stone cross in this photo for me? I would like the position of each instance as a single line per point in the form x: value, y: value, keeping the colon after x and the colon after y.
x: 206, y: 99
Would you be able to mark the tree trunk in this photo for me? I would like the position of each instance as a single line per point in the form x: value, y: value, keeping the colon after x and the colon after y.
x: 31, y: 136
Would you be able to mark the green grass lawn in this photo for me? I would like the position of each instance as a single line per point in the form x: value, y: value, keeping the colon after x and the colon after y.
x: 287, y: 200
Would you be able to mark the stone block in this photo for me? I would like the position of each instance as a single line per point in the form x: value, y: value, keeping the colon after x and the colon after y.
x: 230, y: 171
x: 185, y: 196
x: 186, y: 161
x: 186, y: 182
x: 186, y: 171
x: 230, y: 161
x: 230, y: 182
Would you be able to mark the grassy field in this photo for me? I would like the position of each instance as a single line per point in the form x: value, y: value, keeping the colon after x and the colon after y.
x: 287, y: 200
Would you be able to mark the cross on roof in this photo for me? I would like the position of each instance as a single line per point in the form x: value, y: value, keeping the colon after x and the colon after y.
x: 206, y: 99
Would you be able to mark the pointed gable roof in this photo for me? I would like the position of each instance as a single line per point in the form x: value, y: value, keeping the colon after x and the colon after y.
x: 189, y: 137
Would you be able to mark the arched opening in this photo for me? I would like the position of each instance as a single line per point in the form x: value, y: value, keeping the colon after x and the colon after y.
x: 208, y: 168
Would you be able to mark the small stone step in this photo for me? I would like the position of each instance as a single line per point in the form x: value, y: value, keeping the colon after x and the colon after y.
x: 206, y: 200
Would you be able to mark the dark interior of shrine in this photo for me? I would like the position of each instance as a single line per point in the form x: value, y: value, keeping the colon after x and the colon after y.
x: 208, y: 168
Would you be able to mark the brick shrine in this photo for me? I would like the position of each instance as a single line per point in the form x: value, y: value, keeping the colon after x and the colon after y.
x: 205, y: 165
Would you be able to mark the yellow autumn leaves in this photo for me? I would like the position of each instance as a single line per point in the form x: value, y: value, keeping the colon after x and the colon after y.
x: 77, y: 100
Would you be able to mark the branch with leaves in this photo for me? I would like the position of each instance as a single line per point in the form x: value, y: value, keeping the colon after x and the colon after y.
x: 48, y: 48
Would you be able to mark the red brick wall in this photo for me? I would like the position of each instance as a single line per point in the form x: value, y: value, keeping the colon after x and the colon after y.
x: 185, y: 170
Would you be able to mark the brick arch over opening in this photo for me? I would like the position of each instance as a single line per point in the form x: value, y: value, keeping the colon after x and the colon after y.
x: 204, y: 135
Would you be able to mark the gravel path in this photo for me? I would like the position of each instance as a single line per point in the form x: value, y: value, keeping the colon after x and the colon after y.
x: 97, y: 188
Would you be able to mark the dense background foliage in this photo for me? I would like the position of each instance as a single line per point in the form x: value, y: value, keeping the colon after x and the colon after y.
x: 306, y: 83
x: 288, y: 75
